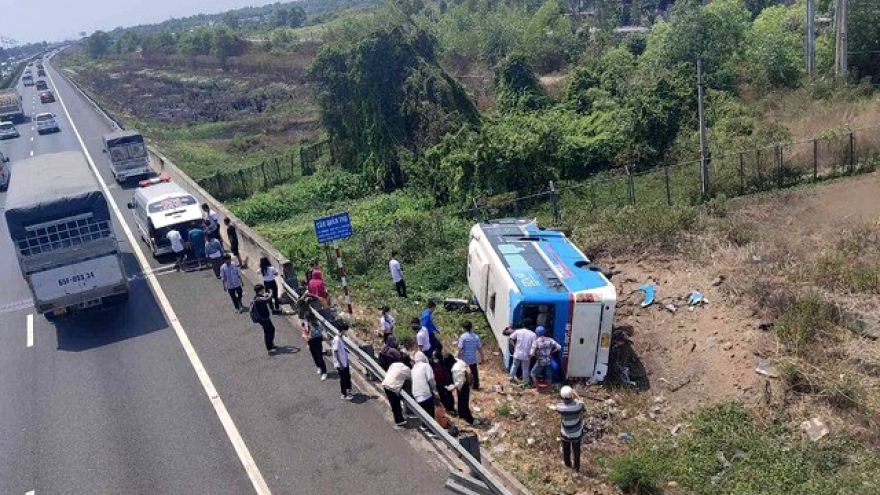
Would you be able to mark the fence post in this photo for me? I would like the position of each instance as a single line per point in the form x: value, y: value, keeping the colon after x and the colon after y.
x: 815, y: 159
x: 593, y: 193
x: 668, y: 192
x: 631, y: 188
x: 742, y: 173
x: 759, y: 167
x: 778, y: 153
x: 852, y: 152
x: 554, y: 197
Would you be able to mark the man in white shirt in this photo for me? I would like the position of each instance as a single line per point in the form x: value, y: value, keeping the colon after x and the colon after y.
x: 395, y: 379
x: 397, y: 275
x: 423, y: 337
x: 423, y: 384
x: 340, y: 361
x: 177, y: 246
x: 522, y: 340
x: 213, y: 228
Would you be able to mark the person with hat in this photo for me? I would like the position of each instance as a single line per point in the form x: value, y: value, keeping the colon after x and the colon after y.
x: 571, y: 412
x: 543, y: 350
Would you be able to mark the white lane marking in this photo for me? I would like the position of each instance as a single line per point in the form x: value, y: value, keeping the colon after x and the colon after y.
x: 30, y: 330
x: 32, y: 152
x: 32, y: 138
x: 244, y: 454
x: 30, y: 493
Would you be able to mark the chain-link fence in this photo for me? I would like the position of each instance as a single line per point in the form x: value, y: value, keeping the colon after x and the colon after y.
x: 835, y: 153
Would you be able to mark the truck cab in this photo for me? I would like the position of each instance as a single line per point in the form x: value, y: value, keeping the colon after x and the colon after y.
x: 127, y: 155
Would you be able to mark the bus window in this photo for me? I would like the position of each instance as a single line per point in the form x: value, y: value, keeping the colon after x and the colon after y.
x: 542, y: 314
x: 492, y: 303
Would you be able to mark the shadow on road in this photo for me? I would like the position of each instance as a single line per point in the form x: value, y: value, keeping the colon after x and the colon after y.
x: 140, y: 315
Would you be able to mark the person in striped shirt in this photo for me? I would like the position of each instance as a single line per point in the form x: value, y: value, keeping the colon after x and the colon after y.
x: 572, y: 429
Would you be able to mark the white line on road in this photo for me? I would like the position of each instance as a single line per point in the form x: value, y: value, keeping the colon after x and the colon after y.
x: 32, y: 138
x: 30, y: 493
x: 32, y: 152
x: 244, y: 454
x: 30, y: 330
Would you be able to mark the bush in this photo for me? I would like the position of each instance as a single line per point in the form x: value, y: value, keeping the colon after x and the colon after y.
x: 637, y: 473
x: 805, y: 318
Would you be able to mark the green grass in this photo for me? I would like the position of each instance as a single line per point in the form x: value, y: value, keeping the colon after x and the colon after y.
x: 803, y: 321
x: 726, y: 451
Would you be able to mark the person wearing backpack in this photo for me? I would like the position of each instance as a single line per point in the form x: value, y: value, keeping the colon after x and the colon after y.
x: 260, y: 313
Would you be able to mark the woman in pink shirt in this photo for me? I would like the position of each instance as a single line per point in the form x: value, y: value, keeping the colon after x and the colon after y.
x: 316, y: 285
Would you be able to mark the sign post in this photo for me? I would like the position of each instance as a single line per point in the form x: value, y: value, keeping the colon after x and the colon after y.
x: 332, y: 229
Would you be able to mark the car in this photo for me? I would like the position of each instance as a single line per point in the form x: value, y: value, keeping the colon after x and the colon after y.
x: 46, y: 123
x: 47, y: 97
x: 8, y: 130
x: 5, y: 172
x: 42, y: 86
x: 41, y: 72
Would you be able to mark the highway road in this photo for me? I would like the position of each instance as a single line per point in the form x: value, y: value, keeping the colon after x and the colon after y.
x: 117, y: 403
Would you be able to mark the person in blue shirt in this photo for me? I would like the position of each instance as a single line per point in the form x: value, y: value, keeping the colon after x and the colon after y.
x: 427, y: 321
x: 470, y: 350
x: 196, y: 237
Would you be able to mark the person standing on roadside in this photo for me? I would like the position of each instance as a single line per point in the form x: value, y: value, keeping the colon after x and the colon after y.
x: 312, y: 267
x: 397, y: 275
x: 212, y: 221
x: 423, y: 384
x: 214, y: 253
x: 340, y: 362
x: 543, y: 350
x: 461, y: 382
x: 386, y: 323
x: 395, y: 379
x: 232, y: 237
x: 423, y: 338
x: 317, y: 287
x: 196, y: 238
x: 230, y: 274
x: 427, y: 321
x: 522, y: 340
x: 443, y: 376
x: 470, y: 350
x: 315, y: 339
x: 260, y: 312
x: 178, y: 248
x: 571, y: 412
x: 269, y: 273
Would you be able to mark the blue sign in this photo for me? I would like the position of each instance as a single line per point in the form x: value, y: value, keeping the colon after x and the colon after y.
x: 333, y: 228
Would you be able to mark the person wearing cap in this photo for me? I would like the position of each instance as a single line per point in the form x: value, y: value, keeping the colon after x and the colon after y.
x: 571, y: 412
x: 386, y: 323
x: 543, y: 350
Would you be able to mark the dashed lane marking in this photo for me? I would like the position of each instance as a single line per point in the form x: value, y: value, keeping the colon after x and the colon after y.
x: 30, y: 330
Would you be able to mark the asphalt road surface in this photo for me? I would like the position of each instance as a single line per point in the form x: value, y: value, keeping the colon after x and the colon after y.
x: 111, y: 403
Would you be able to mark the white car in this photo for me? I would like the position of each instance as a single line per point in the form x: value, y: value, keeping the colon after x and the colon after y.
x: 46, y: 123
x: 8, y: 130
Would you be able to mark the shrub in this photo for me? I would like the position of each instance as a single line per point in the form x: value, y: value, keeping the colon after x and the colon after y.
x: 799, y: 323
x: 636, y: 473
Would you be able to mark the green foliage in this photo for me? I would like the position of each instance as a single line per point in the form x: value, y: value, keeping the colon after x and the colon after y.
x: 199, y: 41
x: 381, y: 91
x: 226, y: 43
x: 282, y: 40
x: 725, y: 451
x: 549, y: 40
x: 482, y: 30
x: 98, y: 44
x: 291, y: 17
x: 637, y: 473
x: 517, y: 88
x: 774, y: 53
x: 864, y: 38
x: 504, y: 409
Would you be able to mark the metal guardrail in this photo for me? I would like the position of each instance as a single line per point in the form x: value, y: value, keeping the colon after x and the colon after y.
x: 256, y: 243
x: 371, y: 366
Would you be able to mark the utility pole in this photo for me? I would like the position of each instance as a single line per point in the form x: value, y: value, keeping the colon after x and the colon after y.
x: 811, y: 41
x: 841, y: 55
x: 705, y: 154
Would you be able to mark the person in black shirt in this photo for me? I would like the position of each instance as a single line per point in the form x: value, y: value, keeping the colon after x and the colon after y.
x: 263, y: 315
x: 232, y: 237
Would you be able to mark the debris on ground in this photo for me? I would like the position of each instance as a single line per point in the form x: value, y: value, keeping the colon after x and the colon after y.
x: 764, y: 368
x: 648, y: 290
x: 626, y: 437
x: 718, y: 280
x: 816, y: 429
x: 672, y: 308
x: 676, y: 430
x: 696, y: 299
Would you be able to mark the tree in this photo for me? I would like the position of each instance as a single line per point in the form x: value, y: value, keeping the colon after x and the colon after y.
x: 517, y: 88
x: 289, y: 17
x: 774, y: 53
x: 98, y: 44
x: 231, y: 20
x: 864, y: 38
x: 549, y: 38
x: 198, y: 41
x: 226, y: 43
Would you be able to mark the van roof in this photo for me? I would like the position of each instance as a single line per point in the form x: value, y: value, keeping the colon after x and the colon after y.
x: 160, y: 191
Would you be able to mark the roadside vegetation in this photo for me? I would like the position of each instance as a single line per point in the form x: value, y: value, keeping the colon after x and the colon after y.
x: 421, y: 106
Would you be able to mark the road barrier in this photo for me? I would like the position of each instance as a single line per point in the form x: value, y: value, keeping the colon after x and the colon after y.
x: 255, y: 246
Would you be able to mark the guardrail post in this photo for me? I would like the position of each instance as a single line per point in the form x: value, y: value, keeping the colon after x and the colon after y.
x: 779, y: 179
x: 852, y: 152
x: 668, y: 191
x: 815, y: 159
x: 742, y: 173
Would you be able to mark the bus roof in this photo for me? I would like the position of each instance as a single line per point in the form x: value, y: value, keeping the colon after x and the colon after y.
x: 540, y: 260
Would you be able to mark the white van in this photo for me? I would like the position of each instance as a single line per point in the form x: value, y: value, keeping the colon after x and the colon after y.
x: 160, y: 205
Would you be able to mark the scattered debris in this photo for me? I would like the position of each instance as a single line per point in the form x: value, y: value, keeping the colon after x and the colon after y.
x: 498, y: 388
x: 500, y: 448
x: 659, y: 399
x: 696, y: 299
x: 627, y: 437
x: 672, y: 308
x: 711, y: 342
x: 764, y: 368
x: 724, y: 462
x: 477, y: 409
x: 718, y: 281
x: 530, y: 442
x: 815, y: 428
x: 610, y: 402
x: 494, y: 430
x: 765, y: 326
x: 676, y: 430
x: 727, y: 346
x: 648, y: 290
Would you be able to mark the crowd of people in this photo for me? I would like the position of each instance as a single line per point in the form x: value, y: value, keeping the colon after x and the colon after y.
x: 439, y: 380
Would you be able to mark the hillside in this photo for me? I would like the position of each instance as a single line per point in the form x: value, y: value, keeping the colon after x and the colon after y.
x: 420, y: 117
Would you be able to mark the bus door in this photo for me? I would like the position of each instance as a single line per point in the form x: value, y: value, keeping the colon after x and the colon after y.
x: 586, y: 328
